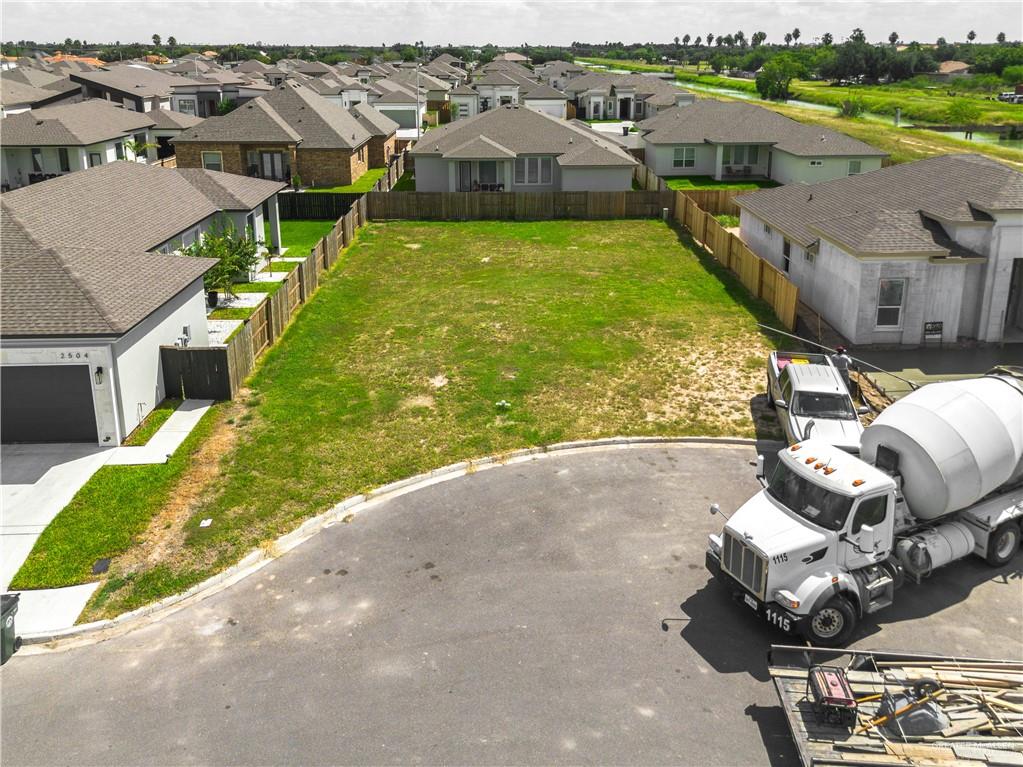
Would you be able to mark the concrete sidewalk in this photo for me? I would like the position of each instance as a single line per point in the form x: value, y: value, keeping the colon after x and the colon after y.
x: 38, y: 481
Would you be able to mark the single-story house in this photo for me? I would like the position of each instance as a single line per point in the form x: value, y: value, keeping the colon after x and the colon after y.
x: 398, y: 102
x: 383, y: 133
x: 168, y: 124
x: 449, y: 60
x: 52, y: 141
x: 59, y: 86
x: 342, y: 90
x: 516, y: 149
x: 465, y: 102
x: 557, y: 73
x: 728, y: 139
x: 931, y: 249
x: 949, y: 70
x: 599, y: 96
x: 290, y: 132
x: 91, y: 290
x: 512, y: 56
x: 544, y: 98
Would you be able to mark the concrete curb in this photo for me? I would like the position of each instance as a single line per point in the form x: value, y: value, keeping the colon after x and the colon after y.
x: 255, y: 560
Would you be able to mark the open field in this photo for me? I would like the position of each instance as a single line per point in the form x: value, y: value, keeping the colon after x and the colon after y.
x: 402, y: 362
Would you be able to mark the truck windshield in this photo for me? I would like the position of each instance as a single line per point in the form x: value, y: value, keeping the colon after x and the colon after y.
x: 808, y: 499
x: 820, y: 405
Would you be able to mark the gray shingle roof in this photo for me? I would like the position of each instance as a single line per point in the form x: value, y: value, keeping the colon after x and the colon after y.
x: 463, y: 90
x: 255, y: 121
x: 13, y: 92
x: 85, y: 122
x: 723, y: 122
x: 375, y: 122
x: 891, y: 207
x: 134, y: 80
x: 88, y: 291
x: 229, y: 191
x: 521, y: 130
x: 166, y: 119
x: 127, y: 205
x: 544, y: 92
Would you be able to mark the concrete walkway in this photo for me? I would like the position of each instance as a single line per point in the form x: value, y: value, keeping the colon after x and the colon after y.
x: 923, y: 366
x: 38, y: 481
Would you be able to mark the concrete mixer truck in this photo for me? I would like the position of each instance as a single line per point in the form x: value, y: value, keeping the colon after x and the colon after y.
x: 833, y: 536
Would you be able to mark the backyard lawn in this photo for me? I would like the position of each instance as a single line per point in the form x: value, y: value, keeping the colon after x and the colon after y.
x: 708, y: 182
x: 402, y: 361
x: 300, y: 236
x: 362, y: 184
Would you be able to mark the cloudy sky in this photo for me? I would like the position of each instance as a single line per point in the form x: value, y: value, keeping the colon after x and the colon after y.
x: 503, y: 22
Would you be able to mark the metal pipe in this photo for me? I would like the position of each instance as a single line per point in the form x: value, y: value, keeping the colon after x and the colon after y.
x: 912, y: 384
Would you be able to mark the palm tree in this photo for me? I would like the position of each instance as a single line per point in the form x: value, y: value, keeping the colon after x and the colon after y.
x: 893, y: 38
x: 156, y: 41
x: 971, y: 36
x: 710, y: 39
x: 827, y: 38
x: 686, y: 39
x: 698, y: 41
x: 139, y: 149
x: 1001, y: 38
x: 172, y: 41
x: 740, y: 38
x: 795, y: 35
x: 788, y: 38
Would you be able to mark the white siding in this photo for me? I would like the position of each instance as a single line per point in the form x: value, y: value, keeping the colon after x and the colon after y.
x: 789, y: 169
x: 660, y: 157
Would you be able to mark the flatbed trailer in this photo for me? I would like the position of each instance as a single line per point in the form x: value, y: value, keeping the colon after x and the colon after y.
x: 981, y: 698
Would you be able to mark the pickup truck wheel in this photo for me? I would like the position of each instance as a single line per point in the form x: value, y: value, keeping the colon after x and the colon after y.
x: 1003, y: 544
x: 832, y: 624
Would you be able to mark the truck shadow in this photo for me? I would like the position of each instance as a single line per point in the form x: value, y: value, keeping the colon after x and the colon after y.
x: 947, y: 587
x: 774, y: 732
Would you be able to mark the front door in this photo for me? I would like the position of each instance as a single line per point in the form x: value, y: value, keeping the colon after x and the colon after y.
x: 873, y: 511
x: 1013, y: 330
x: 624, y: 106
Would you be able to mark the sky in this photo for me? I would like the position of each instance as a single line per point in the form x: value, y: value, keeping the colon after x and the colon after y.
x: 502, y: 22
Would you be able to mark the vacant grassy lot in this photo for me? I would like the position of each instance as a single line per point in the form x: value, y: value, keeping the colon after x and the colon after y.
x: 708, y: 182
x: 400, y: 361
x: 363, y: 183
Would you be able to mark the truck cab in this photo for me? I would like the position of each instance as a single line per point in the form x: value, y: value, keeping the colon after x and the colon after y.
x: 809, y: 552
x: 812, y: 400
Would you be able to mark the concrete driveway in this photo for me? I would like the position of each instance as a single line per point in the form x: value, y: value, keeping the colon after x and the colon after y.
x: 36, y: 482
x: 508, y: 616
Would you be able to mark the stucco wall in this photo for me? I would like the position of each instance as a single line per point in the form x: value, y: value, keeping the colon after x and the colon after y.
x: 660, y: 157
x: 404, y: 115
x: 596, y: 179
x: 431, y: 174
x: 789, y: 169
x: 554, y: 107
x: 137, y: 353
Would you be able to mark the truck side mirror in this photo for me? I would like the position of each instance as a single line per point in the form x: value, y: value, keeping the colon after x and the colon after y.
x: 715, y: 509
x: 760, y: 466
x: 862, y: 410
x: 867, y: 542
x: 781, y: 404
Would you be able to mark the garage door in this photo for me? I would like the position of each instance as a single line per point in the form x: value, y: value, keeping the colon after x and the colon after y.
x: 46, y: 403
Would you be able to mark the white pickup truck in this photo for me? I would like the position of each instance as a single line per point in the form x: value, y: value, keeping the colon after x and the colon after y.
x: 812, y: 400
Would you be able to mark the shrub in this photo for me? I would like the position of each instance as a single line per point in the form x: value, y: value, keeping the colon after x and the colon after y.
x: 236, y: 254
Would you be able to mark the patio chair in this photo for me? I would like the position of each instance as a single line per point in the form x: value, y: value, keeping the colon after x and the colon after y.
x: 746, y: 170
x: 728, y: 170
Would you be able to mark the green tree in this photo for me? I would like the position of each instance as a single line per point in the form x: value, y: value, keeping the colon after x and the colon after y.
x: 236, y: 254
x: 858, y: 36
x: 893, y: 38
x: 686, y: 39
x: 172, y: 42
x: 1000, y: 38
x: 962, y: 112
x: 408, y: 53
x: 226, y: 105
x: 710, y: 39
x: 758, y: 38
x: 139, y: 149
x: 1013, y: 75
x: 827, y: 38
x: 698, y: 41
x: 156, y: 41
x: 795, y: 35
x: 775, y: 76
x: 971, y: 35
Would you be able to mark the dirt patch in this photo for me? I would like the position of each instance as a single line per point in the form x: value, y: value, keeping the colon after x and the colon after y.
x: 439, y: 381
x: 421, y: 400
x: 413, y: 245
x: 162, y: 542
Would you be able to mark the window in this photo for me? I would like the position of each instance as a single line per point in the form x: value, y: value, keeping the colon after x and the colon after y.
x: 534, y: 170
x: 65, y: 161
x: 37, y: 160
x: 816, y: 163
x: 119, y: 150
x: 95, y: 158
x: 685, y: 157
x: 734, y: 155
x: 213, y: 160
x: 505, y: 100
x: 767, y: 229
x: 854, y: 167
x: 140, y: 138
x: 186, y: 106
x: 890, y: 296
x: 809, y: 256
x: 871, y: 511
x: 252, y: 161
x: 786, y: 252
x: 250, y: 226
x: 362, y: 153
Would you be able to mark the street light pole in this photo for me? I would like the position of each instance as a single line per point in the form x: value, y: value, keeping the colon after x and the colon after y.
x: 419, y: 119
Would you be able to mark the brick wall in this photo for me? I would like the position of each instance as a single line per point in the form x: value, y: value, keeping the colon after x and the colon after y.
x: 235, y: 156
x: 380, y: 151
x: 332, y: 167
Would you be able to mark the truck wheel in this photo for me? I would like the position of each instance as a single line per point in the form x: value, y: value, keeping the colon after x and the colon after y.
x: 1003, y: 544
x: 832, y: 624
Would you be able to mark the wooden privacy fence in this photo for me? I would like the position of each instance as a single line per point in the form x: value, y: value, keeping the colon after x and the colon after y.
x: 717, y: 202
x: 757, y: 275
x: 330, y: 206
x: 217, y: 372
x: 517, y: 206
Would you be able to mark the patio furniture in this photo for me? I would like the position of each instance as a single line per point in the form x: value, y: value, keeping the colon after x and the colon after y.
x: 746, y: 170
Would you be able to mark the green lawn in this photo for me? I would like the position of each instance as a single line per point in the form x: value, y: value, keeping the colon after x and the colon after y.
x: 587, y: 328
x: 364, y: 183
x: 708, y: 182
x: 152, y: 422
x: 106, y: 516
x: 301, y: 235
x: 232, y: 313
x: 727, y: 220
x: 257, y: 287
x: 407, y: 183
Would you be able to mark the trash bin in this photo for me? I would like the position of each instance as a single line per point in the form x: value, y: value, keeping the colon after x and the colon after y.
x: 9, y: 640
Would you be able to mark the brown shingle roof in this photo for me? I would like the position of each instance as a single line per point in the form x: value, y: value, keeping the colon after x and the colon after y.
x: 86, y: 122
x: 377, y: 123
x: 89, y: 291
x: 137, y: 81
x: 890, y: 207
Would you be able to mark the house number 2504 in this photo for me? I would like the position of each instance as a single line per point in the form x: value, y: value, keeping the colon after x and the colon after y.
x: 74, y: 355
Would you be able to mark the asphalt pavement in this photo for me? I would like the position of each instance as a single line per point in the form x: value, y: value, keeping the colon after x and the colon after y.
x: 511, y: 616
